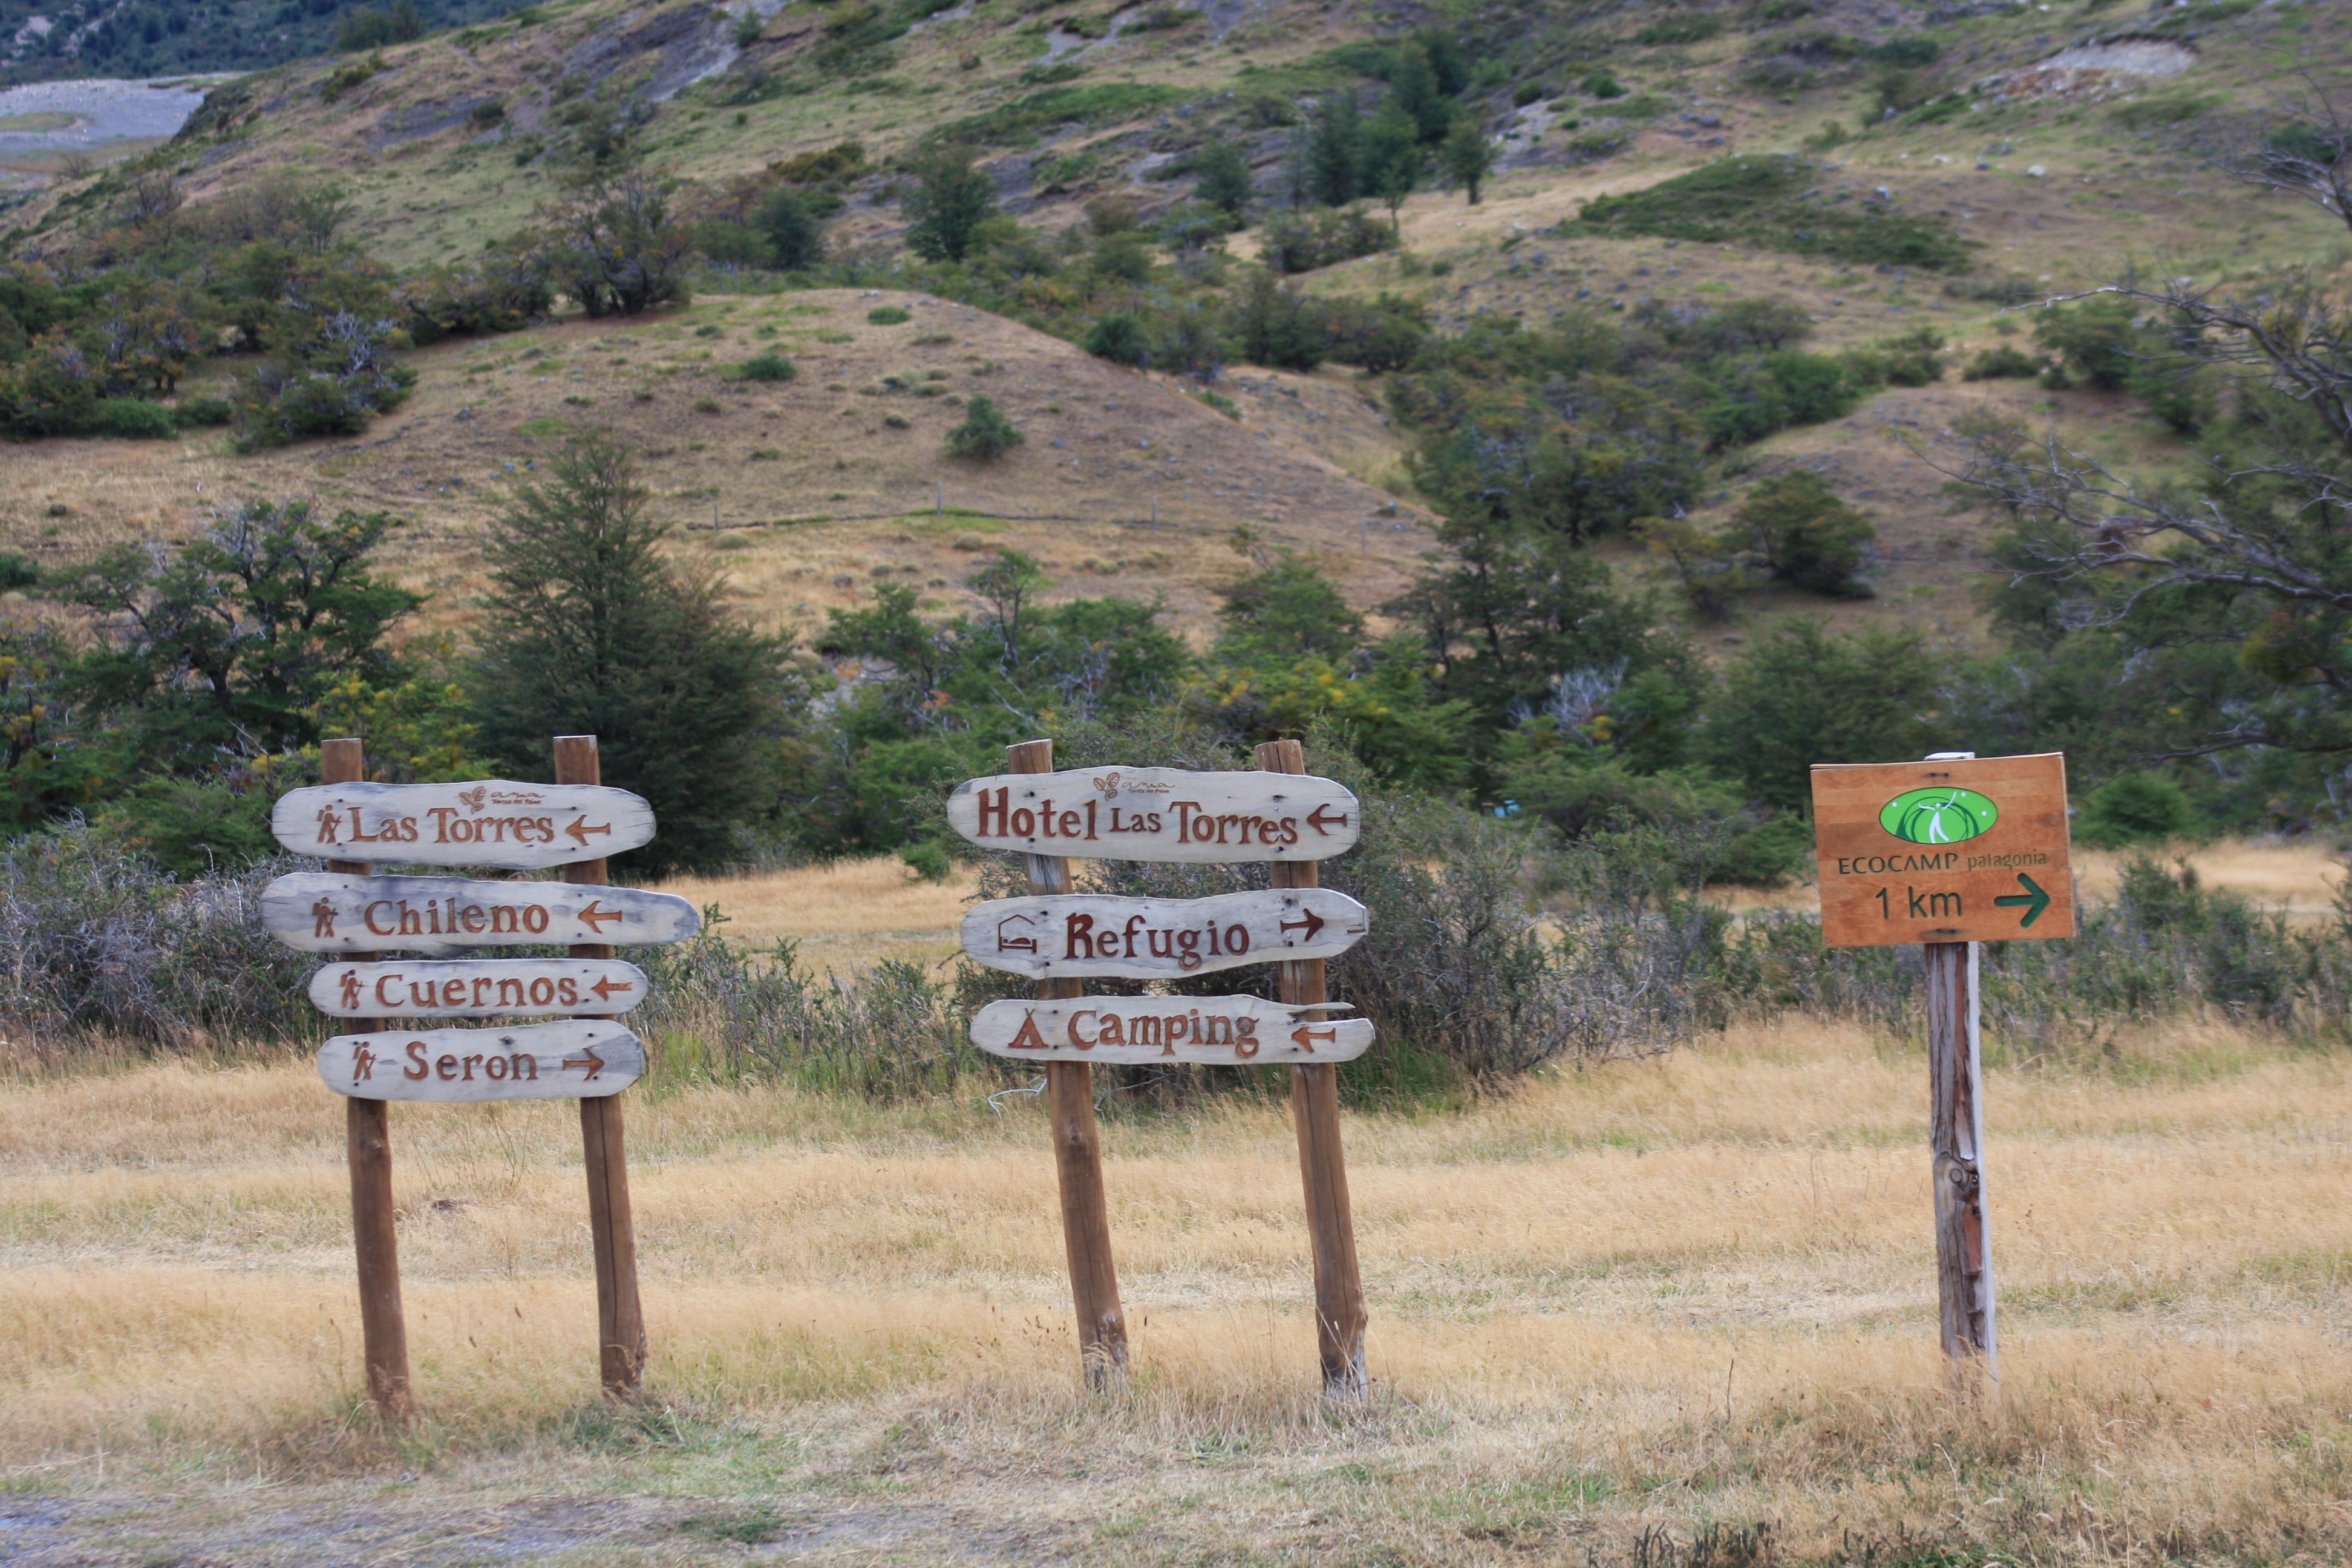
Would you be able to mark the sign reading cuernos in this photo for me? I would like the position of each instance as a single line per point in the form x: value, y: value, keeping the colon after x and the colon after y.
x: 1971, y: 850
x: 580, y: 1058
x: 494, y: 822
x: 477, y: 987
x: 1160, y: 814
x: 1147, y: 939
x: 1220, y: 1031
x: 333, y: 911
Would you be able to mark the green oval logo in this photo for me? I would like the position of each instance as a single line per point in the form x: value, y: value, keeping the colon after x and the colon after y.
x: 1944, y: 815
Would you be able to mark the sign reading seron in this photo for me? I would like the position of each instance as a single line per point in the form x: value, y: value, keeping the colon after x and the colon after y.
x: 1970, y: 849
x: 494, y: 822
x: 1160, y: 814
x: 578, y: 1058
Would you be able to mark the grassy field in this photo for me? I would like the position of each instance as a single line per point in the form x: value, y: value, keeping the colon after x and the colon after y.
x: 1678, y: 1294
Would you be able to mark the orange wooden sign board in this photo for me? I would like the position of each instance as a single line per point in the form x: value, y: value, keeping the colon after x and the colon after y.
x: 1965, y: 851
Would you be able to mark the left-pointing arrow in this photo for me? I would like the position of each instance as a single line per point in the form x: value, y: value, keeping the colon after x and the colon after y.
x: 2034, y: 899
x: 595, y: 915
x: 581, y: 828
x: 606, y: 987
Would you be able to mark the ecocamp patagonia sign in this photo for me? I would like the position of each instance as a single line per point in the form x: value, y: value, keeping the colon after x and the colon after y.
x: 578, y: 1058
x: 1216, y: 1031
x: 337, y: 911
x: 1970, y: 849
x: 495, y: 822
x: 1160, y: 814
x: 478, y: 988
x: 1160, y: 939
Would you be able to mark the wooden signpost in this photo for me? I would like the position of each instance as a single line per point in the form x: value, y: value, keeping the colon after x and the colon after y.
x: 493, y: 821
x: 1219, y: 1031
x: 321, y: 911
x: 1160, y: 939
x: 585, y: 1054
x: 1281, y: 814
x: 1160, y: 814
x: 1949, y: 852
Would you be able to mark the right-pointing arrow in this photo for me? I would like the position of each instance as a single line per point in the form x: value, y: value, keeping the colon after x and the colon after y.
x: 2034, y: 899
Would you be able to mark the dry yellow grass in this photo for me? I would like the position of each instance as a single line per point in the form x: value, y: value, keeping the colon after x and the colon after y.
x: 842, y: 914
x: 1677, y: 1291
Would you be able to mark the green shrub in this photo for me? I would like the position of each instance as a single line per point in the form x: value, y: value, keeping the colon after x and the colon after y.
x: 1603, y: 85
x: 1119, y: 337
x: 2135, y: 808
x: 1907, y: 54
x: 985, y: 434
x: 888, y: 315
x: 130, y: 419
x: 1693, y: 29
x: 769, y: 367
x: 2001, y: 360
x: 203, y: 412
x: 1804, y: 534
x: 1762, y: 199
x: 17, y: 572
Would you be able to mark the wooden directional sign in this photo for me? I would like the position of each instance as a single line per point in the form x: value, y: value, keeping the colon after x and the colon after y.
x: 332, y: 912
x: 1220, y: 1031
x: 1970, y: 850
x: 578, y: 1058
x: 1158, y: 939
x: 477, y: 987
x: 491, y: 822
x: 1160, y: 814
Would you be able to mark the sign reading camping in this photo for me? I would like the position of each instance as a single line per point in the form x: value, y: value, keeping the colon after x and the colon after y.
x: 1216, y: 1031
x: 1952, y: 849
x: 1160, y: 814
x: 492, y: 822
x: 1158, y: 939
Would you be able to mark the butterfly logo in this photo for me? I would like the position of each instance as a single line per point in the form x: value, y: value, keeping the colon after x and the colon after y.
x: 472, y: 799
x: 1109, y: 785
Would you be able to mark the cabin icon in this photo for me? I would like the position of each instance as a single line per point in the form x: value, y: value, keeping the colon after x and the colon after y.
x: 1010, y: 939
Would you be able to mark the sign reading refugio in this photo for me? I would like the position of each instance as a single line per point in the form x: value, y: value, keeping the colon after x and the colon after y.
x: 1969, y: 849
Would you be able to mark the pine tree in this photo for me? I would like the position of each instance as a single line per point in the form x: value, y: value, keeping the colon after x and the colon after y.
x: 947, y: 206
x: 1412, y: 88
x: 1225, y: 178
x: 1468, y: 155
x: 1334, y: 151
x: 590, y: 630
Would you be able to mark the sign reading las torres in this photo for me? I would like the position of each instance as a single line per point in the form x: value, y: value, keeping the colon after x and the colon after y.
x: 1281, y: 814
x: 580, y: 1052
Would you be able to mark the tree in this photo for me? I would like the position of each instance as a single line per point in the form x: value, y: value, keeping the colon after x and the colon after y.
x: 985, y: 434
x: 1800, y: 695
x: 1335, y: 149
x: 1412, y: 88
x: 589, y: 629
x: 618, y: 244
x: 1803, y: 534
x: 1392, y: 160
x: 947, y: 206
x: 1277, y: 324
x: 794, y: 232
x: 1119, y: 337
x: 1467, y: 155
x: 1224, y: 179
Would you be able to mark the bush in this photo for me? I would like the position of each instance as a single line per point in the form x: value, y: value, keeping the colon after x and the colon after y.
x: 769, y: 367
x: 2000, y: 362
x: 1603, y: 85
x: 130, y: 419
x: 1804, y: 533
x: 1119, y: 337
x: 1293, y: 241
x: 1693, y: 29
x: 1762, y: 199
x: 2135, y: 808
x: 888, y: 315
x: 202, y: 413
x: 985, y: 434
x: 1907, y: 54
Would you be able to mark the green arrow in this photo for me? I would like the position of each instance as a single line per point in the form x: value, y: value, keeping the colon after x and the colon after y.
x: 2034, y: 900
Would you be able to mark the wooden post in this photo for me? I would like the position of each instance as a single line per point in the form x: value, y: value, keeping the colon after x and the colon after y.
x: 620, y: 1315
x: 1078, y: 1147
x: 367, y: 1135
x: 1340, y: 1316
x: 1956, y: 1134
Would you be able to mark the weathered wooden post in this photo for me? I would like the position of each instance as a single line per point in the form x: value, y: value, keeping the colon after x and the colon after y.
x: 1340, y: 1316
x: 1940, y: 852
x: 1056, y: 936
x: 620, y: 1314
x: 580, y: 1052
x: 1078, y: 1144
x: 367, y: 1134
